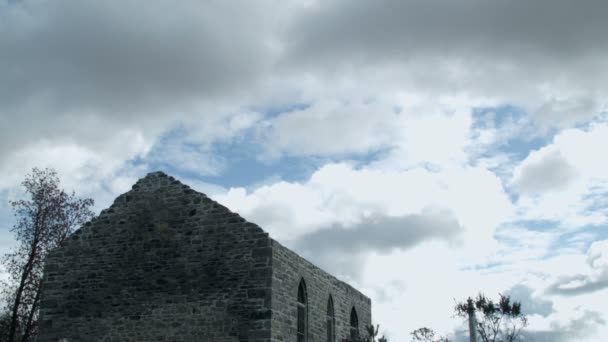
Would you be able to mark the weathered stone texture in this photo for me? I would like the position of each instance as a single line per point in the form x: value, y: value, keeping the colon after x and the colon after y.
x: 288, y: 270
x: 165, y: 263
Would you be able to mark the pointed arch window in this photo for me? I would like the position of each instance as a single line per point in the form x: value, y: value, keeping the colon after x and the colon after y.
x: 302, y: 328
x: 354, y: 324
x: 331, y: 321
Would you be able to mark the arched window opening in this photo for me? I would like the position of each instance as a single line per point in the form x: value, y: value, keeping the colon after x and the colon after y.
x: 331, y: 321
x: 354, y: 324
x: 302, y: 313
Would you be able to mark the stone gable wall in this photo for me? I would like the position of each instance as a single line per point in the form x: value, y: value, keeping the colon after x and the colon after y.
x: 163, y: 263
x: 288, y: 270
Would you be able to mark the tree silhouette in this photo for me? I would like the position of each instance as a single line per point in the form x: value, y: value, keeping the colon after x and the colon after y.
x: 372, y: 333
x: 499, y: 322
x: 44, y: 220
x: 425, y: 334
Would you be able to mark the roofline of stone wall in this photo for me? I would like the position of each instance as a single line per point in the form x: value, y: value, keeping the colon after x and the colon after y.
x: 350, y: 287
x: 121, y: 197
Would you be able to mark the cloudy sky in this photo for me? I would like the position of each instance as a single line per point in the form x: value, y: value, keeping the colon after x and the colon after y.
x: 422, y: 150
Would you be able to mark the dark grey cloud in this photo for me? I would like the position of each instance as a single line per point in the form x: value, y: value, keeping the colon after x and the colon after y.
x: 132, y: 57
x: 74, y: 72
x: 383, y: 233
x: 78, y: 72
x: 583, y: 327
x: 551, y: 171
x: 340, y: 248
x: 579, y: 284
x: 125, y: 57
x: 553, y: 30
x: 117, y: 64
x: 532, y: 54
x: 577, y: 329
x: 530, y: 304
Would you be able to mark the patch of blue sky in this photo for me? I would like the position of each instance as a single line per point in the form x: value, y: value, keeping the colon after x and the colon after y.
x: 535, y: 225
x: 520, y: 134
x: 7, y: 240
x: 577, y: 240
x: 516, y: 136
x: 559, y: 241
x: 245, y: 168
x: 596, y: 200
x: 601, y: 231
x: 239, y: 161
x: 236, y: 162
x: 486, y: 117
x: 602, y: 117
x: 177, y: 153
x: 515, y: 235
x: 7, y: 219
x: 6, y: 210
x: 366, y: 158
x: 552, y: 239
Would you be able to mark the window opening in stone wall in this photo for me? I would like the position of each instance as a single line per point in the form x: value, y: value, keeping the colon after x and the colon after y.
x: 331, y: 321
x: 302, y: 313
x: 354, y: 324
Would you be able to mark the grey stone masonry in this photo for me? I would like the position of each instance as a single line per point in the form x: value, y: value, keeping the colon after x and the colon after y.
x: 289, y: 269
x: 166, y: 263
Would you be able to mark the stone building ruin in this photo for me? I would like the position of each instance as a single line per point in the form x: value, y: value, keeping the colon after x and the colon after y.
x: 166, y: 263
